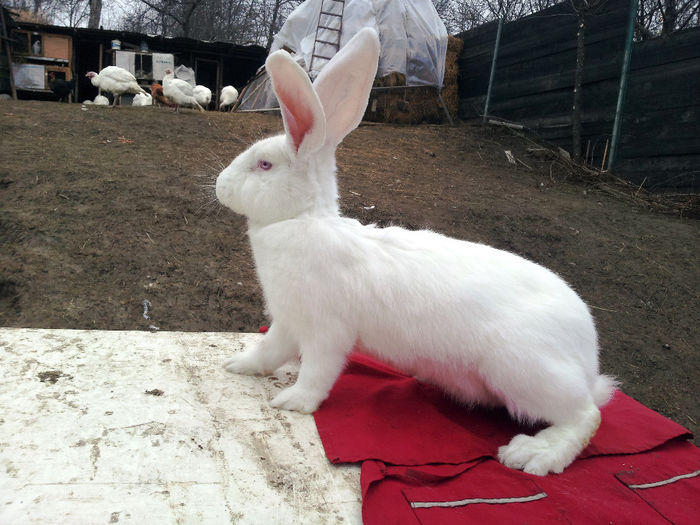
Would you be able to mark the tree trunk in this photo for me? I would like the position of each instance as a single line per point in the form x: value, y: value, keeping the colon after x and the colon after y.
x: 578, y: 82
x: 271, y: 30
x: 187, y: 18
x: 95, y: 14
x: 670, y: 17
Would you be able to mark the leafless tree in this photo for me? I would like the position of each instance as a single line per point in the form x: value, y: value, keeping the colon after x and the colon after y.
x: 257, y: 21
x: 654, y: 17
x: 178, y: 14
x: 665, y: 17
x: 583, y: 9
x: 70, y: 13
x: 460, y: 15
x: 95, y: 14
x: 507, y: 9
x: 241, y: 21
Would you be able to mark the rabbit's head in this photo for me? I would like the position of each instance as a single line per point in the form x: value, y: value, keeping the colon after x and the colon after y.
x: 293, y: 174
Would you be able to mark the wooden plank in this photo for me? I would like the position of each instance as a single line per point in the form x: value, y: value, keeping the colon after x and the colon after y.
x: 663, y: 134
x: 57, y: 46
x: 677, y: 48
x: 661, y: 87
x: 665, y: 172
x: 508, y: 90
x: 515, y: 52
x: 549, y: 31
x: 524, y: 74
x: 565, y: 42
x: 596, y: 96
x: 679, y: 163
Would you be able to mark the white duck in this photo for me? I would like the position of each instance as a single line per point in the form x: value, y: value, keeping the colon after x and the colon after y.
x: 179, y: 91
x: 229, y: 95
x: 115, y: 80
x: 202, y: 94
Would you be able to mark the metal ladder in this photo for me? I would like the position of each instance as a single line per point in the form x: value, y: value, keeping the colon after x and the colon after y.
x: 329, y: 19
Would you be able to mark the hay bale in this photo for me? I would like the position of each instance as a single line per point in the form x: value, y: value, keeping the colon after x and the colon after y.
x: 450, y: 91
x: 415, y: 105
x: 391, y: 80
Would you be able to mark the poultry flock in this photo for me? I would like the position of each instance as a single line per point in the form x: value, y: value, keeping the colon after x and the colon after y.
x: 173, y: 92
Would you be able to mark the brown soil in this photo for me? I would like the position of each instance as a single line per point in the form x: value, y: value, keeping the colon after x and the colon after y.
x: 101, y: 210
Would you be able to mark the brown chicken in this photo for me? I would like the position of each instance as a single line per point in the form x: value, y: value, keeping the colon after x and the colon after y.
x: 158, y: 97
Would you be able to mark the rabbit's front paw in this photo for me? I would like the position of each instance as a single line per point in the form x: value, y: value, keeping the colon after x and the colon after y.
x: 244, y: 363
x: 299, y: 399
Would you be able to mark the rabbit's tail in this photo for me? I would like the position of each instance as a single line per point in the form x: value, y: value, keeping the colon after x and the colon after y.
x: 603, y: 389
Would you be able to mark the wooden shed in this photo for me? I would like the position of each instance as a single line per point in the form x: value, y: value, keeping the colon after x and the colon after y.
x: 36, y: 54
x: 6, y: 25
x: 74, y: 51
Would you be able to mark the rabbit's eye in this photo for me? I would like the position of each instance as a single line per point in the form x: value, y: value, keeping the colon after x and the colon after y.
x: 264, y: 165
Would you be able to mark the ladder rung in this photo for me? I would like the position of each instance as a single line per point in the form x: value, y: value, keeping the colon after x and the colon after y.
x: 331, y: 14
x: 326, y: 42
x: 321, y: 56
x: 330, y: 28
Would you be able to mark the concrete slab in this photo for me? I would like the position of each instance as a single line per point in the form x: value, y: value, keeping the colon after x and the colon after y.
x: 137, y: 427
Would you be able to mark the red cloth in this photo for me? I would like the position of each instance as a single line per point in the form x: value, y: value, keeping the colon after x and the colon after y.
x: 419, y: 448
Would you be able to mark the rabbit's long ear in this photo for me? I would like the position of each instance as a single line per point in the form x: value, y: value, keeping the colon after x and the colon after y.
x: 345, y: 82
x: 302, y: 113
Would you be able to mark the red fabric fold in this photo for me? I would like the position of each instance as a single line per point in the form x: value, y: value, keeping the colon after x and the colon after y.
x: 428, y: 461
x: 588, y: 492
x: 377, y: 412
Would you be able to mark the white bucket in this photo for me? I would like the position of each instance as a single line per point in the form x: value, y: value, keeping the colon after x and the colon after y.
x: 116, y: 44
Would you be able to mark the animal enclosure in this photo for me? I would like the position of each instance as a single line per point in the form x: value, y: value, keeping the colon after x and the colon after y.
x: 82, y: 50
x: 534, y: 83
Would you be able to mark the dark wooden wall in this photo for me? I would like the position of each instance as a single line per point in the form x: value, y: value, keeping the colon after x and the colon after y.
x: 534, y: 79
x: 661, y: 130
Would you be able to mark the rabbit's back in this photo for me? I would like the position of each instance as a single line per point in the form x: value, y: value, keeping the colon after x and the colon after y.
x: 422, y: 300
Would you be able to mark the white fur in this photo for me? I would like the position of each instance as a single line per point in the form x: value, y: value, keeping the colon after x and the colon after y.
x: 116, y: 81
x: 487, y: 326
x: 179, y: 91
x: 141, y: 99
x: 101, y: 100
x: 202, y: 95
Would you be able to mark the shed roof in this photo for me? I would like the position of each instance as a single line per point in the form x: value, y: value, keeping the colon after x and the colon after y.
x: 154, y: 41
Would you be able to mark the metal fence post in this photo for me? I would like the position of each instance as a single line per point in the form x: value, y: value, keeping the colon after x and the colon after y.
x: 493, y: 68
x: 617, y: 126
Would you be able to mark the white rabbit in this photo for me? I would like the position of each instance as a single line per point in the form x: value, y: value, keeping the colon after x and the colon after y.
x: 487, y: 326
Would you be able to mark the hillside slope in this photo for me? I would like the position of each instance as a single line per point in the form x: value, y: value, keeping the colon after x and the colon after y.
x: 101, y: 210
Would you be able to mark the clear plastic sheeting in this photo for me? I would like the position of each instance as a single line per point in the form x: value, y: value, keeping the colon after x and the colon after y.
x: 413, y: 38
x: 185, y: 73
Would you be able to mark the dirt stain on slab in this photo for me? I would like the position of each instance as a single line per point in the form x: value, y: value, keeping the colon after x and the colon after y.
x: 52, y: 376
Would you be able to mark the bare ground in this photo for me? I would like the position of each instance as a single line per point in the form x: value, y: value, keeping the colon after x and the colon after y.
x: 101, y: 210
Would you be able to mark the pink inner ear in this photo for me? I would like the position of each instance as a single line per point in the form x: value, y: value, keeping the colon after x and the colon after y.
x: 297, y: 116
